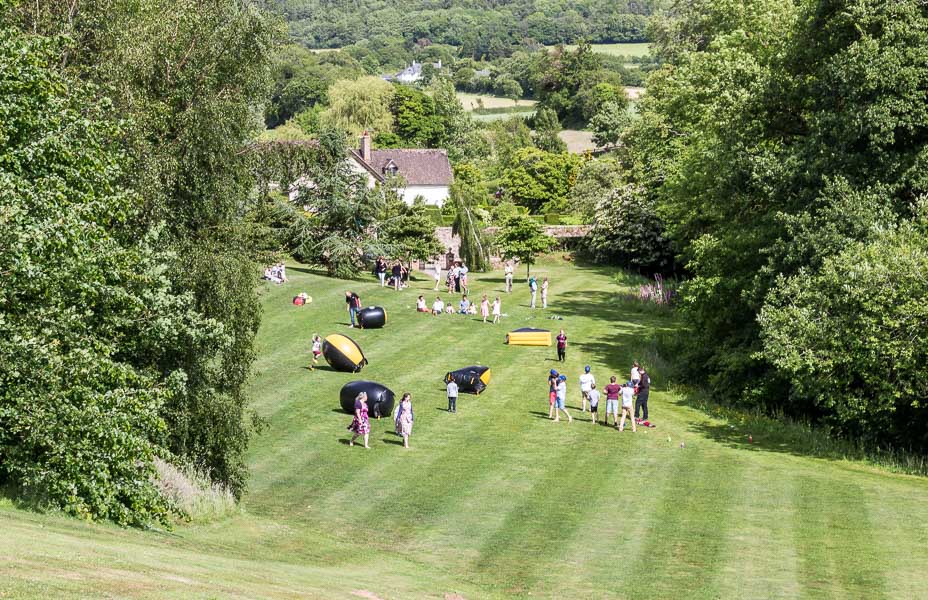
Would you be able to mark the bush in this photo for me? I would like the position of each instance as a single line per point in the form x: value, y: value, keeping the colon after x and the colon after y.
x: 192, y: 494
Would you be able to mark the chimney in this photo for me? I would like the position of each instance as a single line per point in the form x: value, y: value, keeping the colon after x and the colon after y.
x: 365, y: 149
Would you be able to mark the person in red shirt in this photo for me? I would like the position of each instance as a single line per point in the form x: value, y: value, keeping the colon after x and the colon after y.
x: 612, y: 401
x: 561, y: 346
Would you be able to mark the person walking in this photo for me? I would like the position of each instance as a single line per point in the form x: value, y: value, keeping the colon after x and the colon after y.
x: 628, y: 394
x: 437, y: 275
x: 587, y: 381
x: 508, y: 271
x: 317, y: 351
x: 561, y: 346
x: 594, y: 403
x: 561, y: 400
x: 533, y: 285
x: 360, y: 425
x: 452, y: 388
x: 354, y: 305
x: 644, y: 389
x: 404, y: 418
x: 552, y: 392
x: 612, y: 401
x: 485, y: 308
x: 544, y: 293
x: 497, y: 310
x: 381, y: 270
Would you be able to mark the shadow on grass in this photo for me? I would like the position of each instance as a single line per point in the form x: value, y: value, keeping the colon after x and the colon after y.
x: 398, y: 442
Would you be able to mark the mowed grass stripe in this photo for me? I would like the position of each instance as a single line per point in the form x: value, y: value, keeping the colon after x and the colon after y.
x: 836, y: 549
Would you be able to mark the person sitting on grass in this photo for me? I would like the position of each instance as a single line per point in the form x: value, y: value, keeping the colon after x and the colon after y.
x: 438, y: 306
x: 464, y: 305
x: 449, y: 309
x: 420, y: 305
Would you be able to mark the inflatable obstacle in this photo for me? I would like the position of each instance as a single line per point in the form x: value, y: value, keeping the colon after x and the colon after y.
x: 380, y: 398
x: 343, y: 353
x: 470, y: 380
x: 529, y: 337
x: 372, y: 317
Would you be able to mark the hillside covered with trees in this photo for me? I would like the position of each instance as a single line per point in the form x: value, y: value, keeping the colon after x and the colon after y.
x: 478, y: 27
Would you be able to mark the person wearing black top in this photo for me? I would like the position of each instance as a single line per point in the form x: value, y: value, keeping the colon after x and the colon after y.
x: 354, y: 305
x: 381, y: 270
x: 397, y: 275
x: 644, y: 388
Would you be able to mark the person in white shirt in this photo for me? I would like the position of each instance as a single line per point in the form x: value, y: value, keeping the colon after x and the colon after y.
x: 587, y: 381
x: 508, y: 271
x: 628, y: 397
x: 594, y: 403
x: 437, y: 275
x: 438, y: 306
x: 636, y: 376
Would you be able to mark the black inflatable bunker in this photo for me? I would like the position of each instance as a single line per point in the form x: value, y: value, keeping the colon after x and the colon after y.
x: 470, y: 380
x: 380, y: 398
x: 372, y: 317
x: 343, y: 353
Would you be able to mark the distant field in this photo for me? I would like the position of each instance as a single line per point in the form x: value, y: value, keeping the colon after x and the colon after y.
x: 630, y: 49
x: 577, y: 141
x: 323, y: 50
x: 470, y: 102
x: 521, y: 114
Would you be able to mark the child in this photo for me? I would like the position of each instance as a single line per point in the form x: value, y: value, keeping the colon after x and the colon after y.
x: 552, y: 392
x: 317, y: 350
x: 449, y: 310
x: 586, y: 385
x: 544, y: 293
x: 612, y: 401
x: 562, y: 346
x: 497, y: 306
x: 452, y: 397
x: 636, y: 376
x: 594, y: 402
x: 485, y: 308
x: 561, y: 398
x: 420, y: 305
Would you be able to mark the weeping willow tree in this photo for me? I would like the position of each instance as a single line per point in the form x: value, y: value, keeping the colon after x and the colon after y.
x: 468, y: 225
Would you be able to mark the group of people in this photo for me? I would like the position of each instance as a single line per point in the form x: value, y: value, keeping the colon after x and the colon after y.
x: 276, y: 273
x: 465, y: 307
x: 403, y: 418
x: 633, y: 392
x: 399, y: 274
x: 533, y: 287
x: 456, y: 280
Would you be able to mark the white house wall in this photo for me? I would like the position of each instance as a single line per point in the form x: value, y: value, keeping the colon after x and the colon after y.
x: 434, y: 195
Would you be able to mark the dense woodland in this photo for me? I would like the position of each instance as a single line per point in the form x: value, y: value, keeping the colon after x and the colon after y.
x: 478, y: 27
x: 776, y: 166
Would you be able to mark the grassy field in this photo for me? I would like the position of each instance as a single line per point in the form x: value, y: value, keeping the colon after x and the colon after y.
x: 628, y: 49
x: 496, y: 501
x: 470, y: 102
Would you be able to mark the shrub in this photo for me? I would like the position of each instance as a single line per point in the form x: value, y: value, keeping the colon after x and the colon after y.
x: 191, y: 493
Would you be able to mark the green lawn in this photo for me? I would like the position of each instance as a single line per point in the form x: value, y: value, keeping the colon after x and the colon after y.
x: 624, y: 49
x: 496, y: 501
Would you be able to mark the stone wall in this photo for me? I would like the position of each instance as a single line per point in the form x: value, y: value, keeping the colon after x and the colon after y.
x: 452, y: 244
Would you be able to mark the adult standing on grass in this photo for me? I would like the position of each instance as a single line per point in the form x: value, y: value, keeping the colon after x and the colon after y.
x: 354, y: 305
x: 533, y: 286
x: 508, y: 271
x: 635, y: 374
x: 544, y: 293
x: 360, y: 425
x: 437, y: 275
x: 397, y: 275
x: 587, y: 382
x: 381, y: 270
x: 404, y: 418
x: 452, y: 388
x: 463, y: 272
x: 562, y: 400
x: 628, y: 395
x: 552, y: 391
x: 612, y: 401
x: 561, y: 346
x: 644, y: 389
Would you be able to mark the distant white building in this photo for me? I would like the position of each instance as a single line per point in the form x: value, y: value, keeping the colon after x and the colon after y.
x: 412, y: 73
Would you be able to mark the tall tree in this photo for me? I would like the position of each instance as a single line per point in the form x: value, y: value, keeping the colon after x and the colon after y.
x: 522, y: 237
x: 467, y: 225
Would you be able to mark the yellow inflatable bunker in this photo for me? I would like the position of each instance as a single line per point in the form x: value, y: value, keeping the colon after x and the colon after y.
x: 343, y: 353
x: 529, y: 337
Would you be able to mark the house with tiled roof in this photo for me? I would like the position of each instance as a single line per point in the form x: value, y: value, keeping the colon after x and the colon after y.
x: 421, y: 172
